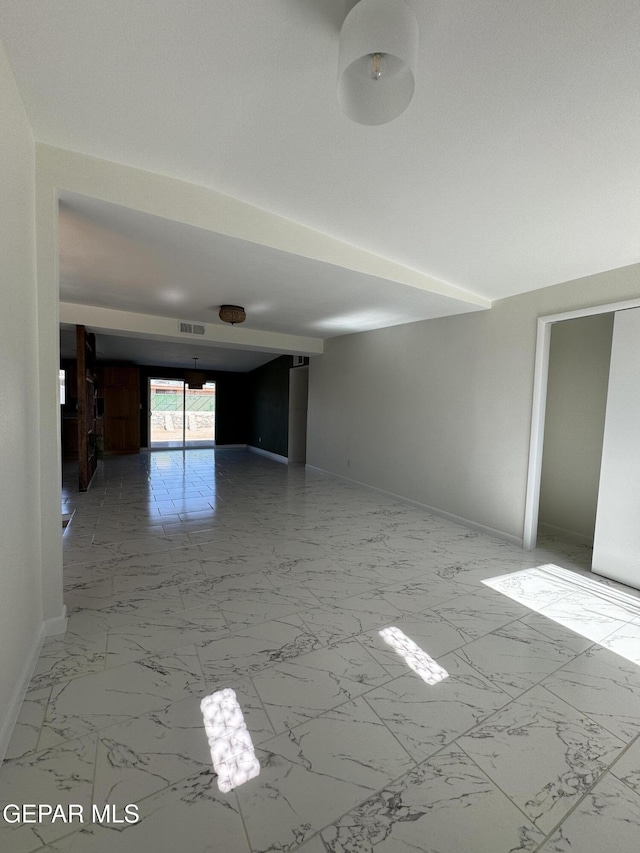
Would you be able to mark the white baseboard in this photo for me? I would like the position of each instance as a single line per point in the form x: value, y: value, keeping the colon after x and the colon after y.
x: 566, y: 535
x: 57, y: 625
x: 275, y: 456
x: 11, y: 712
x: 441, y: 513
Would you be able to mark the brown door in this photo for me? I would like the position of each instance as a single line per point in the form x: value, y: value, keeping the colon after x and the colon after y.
x: 121, y: 410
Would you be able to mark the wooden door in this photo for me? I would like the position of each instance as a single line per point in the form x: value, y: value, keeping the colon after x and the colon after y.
x: 121, y: 389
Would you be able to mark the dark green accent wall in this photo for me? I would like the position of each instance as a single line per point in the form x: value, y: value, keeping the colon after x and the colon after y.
x: 232, y: 402
x: 269, y: 406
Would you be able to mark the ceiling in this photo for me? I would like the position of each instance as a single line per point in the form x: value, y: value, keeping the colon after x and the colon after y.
x: 515, y: 167
x: 114, y: 257
x: 164, y: 353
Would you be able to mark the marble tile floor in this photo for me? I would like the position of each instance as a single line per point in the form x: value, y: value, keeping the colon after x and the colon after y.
x: 187, y: 573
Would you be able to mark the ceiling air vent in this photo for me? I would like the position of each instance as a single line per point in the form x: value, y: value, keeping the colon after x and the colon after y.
x: 191, y: 328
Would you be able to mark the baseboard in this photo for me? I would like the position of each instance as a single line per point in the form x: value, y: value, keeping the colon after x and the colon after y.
x: 231, y: 446
x: 566, y: 535
x: 274, y: 456
x: 12, y: 711
x: 57, y: 625
x: 441, y: 513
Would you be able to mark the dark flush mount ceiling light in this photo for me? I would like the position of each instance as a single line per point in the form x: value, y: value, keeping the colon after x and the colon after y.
x: 232, y: 314
x: 377, y: 63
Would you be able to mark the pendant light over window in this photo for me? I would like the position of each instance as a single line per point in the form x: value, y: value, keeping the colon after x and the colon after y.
x: 195, y: 378
x: 377, y: 62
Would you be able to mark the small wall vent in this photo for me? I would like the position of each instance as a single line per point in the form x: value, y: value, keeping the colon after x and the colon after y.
x: 191, y: 328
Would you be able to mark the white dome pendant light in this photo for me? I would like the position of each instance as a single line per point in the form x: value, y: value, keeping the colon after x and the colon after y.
x: 378, y: 53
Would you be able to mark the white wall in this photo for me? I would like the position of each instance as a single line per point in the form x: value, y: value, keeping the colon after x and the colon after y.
x: 20, y: 568
x: 617, y: 532
x: 579, y: 357
x: 440, y: 411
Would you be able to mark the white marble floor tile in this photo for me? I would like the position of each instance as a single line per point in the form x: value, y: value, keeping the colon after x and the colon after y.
x: 627, y: 768
x: 532, y: 588
x: 156, y: 577
x: 60, y: 775
x: 608, y: 818
x: 516, y: 657
x: 190, y: 815
x: 87, y: 617
x: 244, y: 609
x: 69, y: 656
x: 331, y: 587
x: 324, y: 573
x: 419, y: 595
x: 347, y: 618
x: 478, y: 613
x: 387, y: 568
x: 118, y: 565
x: 313, y: 774
x: 252, y: 650
x: 305, y: 687
x: 26, y: 732
x: 161, y: 634
x: 314, y: 845
x: 96, y: 701
x: 213, y: 589
x: 589, y: 616
x: 424, y: 717
x: 446, y: 805
x: 625, y: 641
x: 146, y: 754
x: 543, y: 753
x: 173, y: 560
x: 94, y: 586
x: 603, y: 686
x: 556, y: 632
x: 474, y: 572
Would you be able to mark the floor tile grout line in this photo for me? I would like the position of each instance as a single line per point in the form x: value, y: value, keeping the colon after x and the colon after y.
x: 417, y: 767
x: 493, y: 782
x: 586, y: 714
x: 586, y: 794
x: 487, y: 721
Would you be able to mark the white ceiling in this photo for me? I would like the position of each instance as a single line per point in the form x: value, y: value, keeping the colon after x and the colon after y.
x: 515, y: 167
x: 114, y: 257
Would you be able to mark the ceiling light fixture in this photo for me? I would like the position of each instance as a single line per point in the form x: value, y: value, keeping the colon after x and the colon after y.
x: 195, y: 378
x: 377, y: 62
x: 232, y: 314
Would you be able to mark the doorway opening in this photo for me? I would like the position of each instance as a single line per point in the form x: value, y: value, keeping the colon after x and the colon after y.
x: 538, y: 418
x: 179, y: 416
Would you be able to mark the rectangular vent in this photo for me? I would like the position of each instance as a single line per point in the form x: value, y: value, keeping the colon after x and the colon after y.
x: 191, y: 328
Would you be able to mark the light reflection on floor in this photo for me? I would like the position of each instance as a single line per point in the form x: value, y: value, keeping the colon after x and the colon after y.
x: 232, y: 752
x: 415, y: 658
x: 591, y: 608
